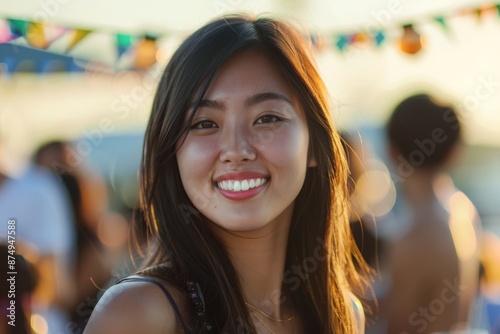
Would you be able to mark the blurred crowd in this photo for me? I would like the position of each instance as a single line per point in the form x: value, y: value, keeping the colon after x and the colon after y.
x: 66, y: 240
x: 434, y: 269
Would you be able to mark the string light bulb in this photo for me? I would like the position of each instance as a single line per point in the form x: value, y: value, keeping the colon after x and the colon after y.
x: 411, y: 41
x: 145, y: 53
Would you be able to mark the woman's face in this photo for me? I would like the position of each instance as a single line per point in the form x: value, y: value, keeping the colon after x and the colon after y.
x: 244, y: 160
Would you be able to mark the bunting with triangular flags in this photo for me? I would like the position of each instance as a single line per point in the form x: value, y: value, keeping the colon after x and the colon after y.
x: 144, y: 49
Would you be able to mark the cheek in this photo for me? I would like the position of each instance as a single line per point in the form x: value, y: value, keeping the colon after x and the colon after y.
x: 196, y: 157
x: 287, y: 147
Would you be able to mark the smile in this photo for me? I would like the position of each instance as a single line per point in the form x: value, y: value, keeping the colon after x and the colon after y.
x: 241, y: 185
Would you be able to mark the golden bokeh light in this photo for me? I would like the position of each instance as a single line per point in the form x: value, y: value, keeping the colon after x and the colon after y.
x: 39, y: 324
x: 376, y: 191
x: 462, y: 225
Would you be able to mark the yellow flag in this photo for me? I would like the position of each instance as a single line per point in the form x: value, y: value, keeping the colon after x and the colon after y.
x: 78, y: 35
x: 35, y: 35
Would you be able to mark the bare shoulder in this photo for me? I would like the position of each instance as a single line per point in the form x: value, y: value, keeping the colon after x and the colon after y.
x: 135, y: 307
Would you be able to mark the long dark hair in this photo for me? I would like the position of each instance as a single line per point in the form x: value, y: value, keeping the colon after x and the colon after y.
x: 319, y: 239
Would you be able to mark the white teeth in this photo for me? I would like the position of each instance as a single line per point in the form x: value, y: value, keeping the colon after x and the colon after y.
x: 241, y: 185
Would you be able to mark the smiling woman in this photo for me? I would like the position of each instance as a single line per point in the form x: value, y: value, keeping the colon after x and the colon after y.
x: 243, y: 187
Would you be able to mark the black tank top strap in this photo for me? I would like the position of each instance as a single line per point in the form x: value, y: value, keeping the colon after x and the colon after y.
x: 165, y: 291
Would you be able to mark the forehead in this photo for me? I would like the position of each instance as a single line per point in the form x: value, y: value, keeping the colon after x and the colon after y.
x: 247, y: 73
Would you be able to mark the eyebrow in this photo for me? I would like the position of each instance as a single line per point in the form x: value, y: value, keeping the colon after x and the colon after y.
x: 249, y: 101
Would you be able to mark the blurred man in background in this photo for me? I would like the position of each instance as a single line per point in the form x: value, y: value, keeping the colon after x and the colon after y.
x: 432, y: 268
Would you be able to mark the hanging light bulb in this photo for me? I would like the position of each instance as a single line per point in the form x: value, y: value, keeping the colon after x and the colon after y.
x: 145, y: 54
x: 410, y: 42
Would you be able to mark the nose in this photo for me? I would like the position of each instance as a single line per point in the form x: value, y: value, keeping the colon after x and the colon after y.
x: 236, y: 144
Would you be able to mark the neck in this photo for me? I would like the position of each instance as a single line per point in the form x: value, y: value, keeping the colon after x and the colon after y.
x: 420, y: 188
x: 259, y: 260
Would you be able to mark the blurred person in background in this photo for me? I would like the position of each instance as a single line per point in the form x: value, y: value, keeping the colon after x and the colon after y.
x: 18, y: 320
x: 433, y: 267
x: 89, y: 202
x: 44, y: 224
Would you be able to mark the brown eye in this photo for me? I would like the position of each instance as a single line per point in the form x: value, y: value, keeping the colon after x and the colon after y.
x: 204, y: 125
x: 268, y: 119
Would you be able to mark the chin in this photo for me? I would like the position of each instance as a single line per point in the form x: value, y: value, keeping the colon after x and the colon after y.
x: 239, y: 224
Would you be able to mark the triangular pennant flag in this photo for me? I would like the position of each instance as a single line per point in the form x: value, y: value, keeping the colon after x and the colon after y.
x: 78, y: 35
x: 17, y: 27
x: 342, y: 42
x: 53, y: 33
x: 379, y: 37
x: 123, y: 43
x: 441, y: 20
x: 35, y: 35
x: 5, y: 35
